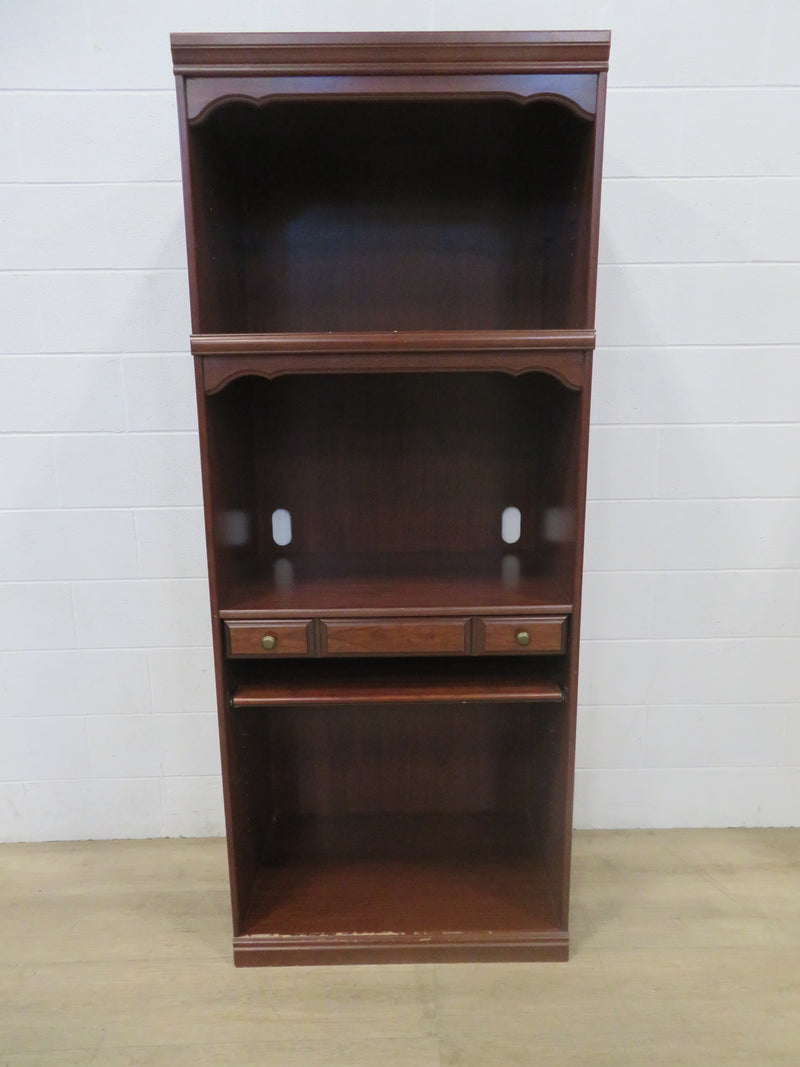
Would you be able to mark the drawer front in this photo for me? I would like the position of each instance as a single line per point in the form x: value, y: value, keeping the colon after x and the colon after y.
x: 522, y: 635
x: 268, y: 638
x: 394, y: 637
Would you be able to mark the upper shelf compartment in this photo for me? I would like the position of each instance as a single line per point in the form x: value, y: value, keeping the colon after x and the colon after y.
x: 414, y: 185
x: 404, y: 215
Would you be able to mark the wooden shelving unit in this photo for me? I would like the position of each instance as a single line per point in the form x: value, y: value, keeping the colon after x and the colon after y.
x: 392, y: 259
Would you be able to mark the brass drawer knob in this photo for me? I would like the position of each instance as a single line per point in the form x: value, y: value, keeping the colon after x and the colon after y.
x: 523, y: 638
x: 268, y: 642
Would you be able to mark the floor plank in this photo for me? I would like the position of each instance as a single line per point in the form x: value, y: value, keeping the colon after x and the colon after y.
x: 685, y: 949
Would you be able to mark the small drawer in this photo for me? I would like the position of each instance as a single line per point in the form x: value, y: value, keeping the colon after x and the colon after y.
x: 524, y: 635
x: 394, y: 637
x: 267, y: 638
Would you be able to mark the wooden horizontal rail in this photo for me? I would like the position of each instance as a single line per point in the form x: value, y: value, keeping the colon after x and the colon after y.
x: 398, y: 686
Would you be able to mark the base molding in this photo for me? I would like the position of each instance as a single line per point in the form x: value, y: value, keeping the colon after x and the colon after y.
x: 302, y: 950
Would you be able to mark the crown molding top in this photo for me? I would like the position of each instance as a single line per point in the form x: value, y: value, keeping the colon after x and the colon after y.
x: 211, y: 54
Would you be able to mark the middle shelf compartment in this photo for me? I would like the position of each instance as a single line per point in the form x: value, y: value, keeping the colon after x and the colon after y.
x: 400, y: 583
x: 405, y: 494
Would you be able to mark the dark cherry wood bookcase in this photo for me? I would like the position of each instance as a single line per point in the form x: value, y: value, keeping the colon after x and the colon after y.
x: 392, y: 258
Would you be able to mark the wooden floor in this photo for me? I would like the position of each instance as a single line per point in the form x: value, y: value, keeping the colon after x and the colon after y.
x: 686, y: 950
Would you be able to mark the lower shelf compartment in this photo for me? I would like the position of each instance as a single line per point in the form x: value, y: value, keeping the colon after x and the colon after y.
x: 363, y: 888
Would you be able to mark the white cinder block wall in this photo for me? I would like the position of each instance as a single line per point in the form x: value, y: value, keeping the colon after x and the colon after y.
x: 691, y: 660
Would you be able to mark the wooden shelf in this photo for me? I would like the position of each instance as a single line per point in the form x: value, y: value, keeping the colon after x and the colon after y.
x: 265, y: 344
x: 369, y: 887
x: 394, y: 681
x: 403, y: 583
